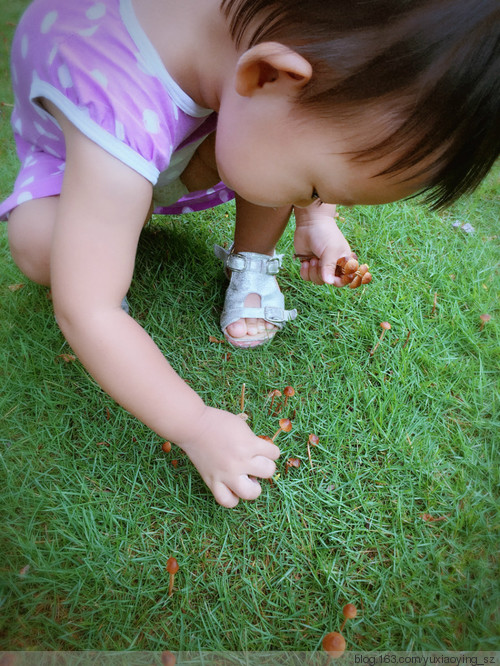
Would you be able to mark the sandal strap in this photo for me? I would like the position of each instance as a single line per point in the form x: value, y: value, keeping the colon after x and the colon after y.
x: 249, y: 261
x: 251, y: 272
x: 272, y: 314
x: 257, y: 263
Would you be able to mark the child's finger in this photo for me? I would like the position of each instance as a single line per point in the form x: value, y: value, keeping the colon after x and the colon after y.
x: 262, y: 467
x: 247, y: 488
x: 267, y: 449
x: 328, y: 274
x: 224, y: 495
x: 315, y: 271
x: 304, y: 270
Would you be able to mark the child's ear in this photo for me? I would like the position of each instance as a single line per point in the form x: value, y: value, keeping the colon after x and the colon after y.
x: 271, y: 62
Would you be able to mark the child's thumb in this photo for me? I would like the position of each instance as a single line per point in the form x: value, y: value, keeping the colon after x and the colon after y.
x: 328, y: 265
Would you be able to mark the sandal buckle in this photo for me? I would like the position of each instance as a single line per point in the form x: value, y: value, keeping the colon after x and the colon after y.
x: 273, y: 314
x: 273, y: 266
x: 236, y: 262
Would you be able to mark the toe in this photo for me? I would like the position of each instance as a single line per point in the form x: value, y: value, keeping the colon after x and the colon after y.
x: 238, y: 329
x: 252, y: 326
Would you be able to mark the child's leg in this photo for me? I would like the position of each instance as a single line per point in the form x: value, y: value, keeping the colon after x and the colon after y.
x: 30, y: 229
x: 257, y: 229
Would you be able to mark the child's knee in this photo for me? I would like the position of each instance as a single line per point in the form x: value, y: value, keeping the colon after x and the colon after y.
x: 30, y: 228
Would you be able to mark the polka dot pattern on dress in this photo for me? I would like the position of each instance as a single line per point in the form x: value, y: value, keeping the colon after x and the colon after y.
x: 24, y: 197
x: 151, y: 121
x: 64, y: 76
x: 92, y: 59
x: 48, y: 22
x: 96, y: 12
x: 101, y: 78
x: 24, y: 46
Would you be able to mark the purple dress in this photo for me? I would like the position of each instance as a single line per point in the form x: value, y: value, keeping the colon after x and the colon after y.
x: 94, y: 62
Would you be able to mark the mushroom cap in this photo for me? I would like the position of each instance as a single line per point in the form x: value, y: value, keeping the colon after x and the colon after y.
x: 350, y: 611
x: 285, y: 425
x: 351, y: 265
x: 172, y: 565
x: 289, y: 391
x: 485, y: 317
x: 334, y: 644
x: 168, y: 658
x: 166, y: 447
x: 293, y: 462
x: 313, y: 439
x: 385, y: 325
x: 268, y: 439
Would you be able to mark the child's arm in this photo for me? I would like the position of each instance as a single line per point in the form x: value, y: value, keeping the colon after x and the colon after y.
x: 318, y: 236
x: 102, y: 209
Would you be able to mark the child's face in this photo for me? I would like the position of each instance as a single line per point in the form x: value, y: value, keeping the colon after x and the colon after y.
x: 276, y: 159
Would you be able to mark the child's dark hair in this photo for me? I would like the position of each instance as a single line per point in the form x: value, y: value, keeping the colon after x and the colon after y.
x: 439, y: 58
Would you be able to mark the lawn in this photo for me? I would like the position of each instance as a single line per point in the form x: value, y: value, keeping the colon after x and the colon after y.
x: 396, y: 511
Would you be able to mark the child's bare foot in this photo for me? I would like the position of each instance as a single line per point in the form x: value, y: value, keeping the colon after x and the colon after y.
x: 251, y: 329
x: 228, y: 456
x: 254, y: 308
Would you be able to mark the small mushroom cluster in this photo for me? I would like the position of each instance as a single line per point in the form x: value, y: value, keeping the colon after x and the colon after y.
x: 334, y: 643
x: 348, y: 269
x: 288, y: 392
x: 285, y: 425
x: 351, y: 272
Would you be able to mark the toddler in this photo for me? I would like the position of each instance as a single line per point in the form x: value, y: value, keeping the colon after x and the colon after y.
x: 128, y: 107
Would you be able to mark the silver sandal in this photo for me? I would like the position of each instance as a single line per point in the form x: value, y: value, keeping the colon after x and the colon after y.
x: 252, y: 273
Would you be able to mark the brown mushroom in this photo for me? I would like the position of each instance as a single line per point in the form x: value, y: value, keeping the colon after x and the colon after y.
x: 242, y: 398
x: 172, y: 568
x: 292, y: 462
x: 484, y: 319
x: 359, y: 276
x: 288, y: 392
x: 168, y: 658
x: 274, y: 394
x: 166, y: 447
x: 385, y: 327
x: 349, y: 271
x: 334, y: 644
x: 312, y: 441
x: 285, y: 425
x: 349, y: 612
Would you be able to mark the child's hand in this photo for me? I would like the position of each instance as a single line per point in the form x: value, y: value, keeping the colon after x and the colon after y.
x: 319, y: 244
x: 228, y: 455
x: 324, y: 253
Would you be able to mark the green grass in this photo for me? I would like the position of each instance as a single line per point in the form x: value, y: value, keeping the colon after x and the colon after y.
x: 95, y: 508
